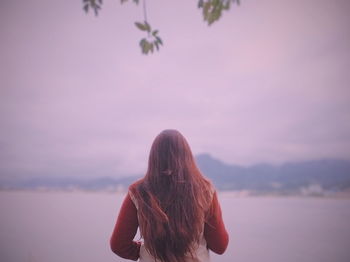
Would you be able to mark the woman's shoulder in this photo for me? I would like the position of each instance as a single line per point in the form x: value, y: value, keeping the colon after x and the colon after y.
x: 135, y: 188
x: 136, y: 184
x: 210, y: 188
x: 133, y: 191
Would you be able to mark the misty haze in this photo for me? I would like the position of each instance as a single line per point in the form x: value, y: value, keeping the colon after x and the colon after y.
x: 262, y: 96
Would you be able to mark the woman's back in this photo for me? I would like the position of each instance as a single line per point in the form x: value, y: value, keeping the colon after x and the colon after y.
x: 198, y: 248
x: 175, y: 206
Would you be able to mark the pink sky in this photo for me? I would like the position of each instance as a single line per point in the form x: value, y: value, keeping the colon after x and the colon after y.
x: 268, y: 83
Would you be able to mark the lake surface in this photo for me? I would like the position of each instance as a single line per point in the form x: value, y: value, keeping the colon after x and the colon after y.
x: 76, y: 226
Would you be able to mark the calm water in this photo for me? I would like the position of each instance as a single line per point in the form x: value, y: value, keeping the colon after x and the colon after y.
x: 75, y: 227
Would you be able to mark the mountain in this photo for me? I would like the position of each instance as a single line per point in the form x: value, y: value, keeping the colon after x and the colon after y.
x: 69, y: 183
x: 329, y: 174
x: 308, y: 177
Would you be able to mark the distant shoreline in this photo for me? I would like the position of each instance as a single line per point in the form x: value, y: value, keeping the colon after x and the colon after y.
x: 253, y: 194
x: 222, y: 193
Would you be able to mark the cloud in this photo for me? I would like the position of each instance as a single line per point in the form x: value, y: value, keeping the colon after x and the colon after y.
x: 269, y: 82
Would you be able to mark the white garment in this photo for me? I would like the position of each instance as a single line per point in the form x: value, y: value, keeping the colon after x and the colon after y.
x: 200, y: 254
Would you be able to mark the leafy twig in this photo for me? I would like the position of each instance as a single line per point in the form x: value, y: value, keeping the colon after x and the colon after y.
x: 152, y: 42
x: 212, y: 9
x: 93, y: 4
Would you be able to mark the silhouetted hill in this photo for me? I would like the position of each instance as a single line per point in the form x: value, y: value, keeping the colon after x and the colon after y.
x: 309, y: 177
x: 330, y: 174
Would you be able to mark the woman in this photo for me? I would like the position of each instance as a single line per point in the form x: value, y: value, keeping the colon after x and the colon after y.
x: 176, y: 208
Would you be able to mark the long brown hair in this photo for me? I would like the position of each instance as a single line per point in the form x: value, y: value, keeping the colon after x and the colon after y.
x: 172, y: 199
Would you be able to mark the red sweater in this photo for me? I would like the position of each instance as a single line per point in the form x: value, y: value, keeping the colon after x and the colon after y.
x: 122, y: 239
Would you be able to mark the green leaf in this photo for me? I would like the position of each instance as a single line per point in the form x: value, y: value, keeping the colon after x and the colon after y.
x: 155, y: 32
x: 200, y: 3
x: 147, y: 26
x: 86, y: 8
x: 206, y: 7
x: 143, y: 43
x: 95, y: 5
x: 141, y: 26
x: 227, y: 5
x: 146, y: 48
x: 159, y: 40
x: 156, y: 45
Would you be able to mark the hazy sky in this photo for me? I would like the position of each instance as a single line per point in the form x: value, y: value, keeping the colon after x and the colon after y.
x: 268, y: 83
